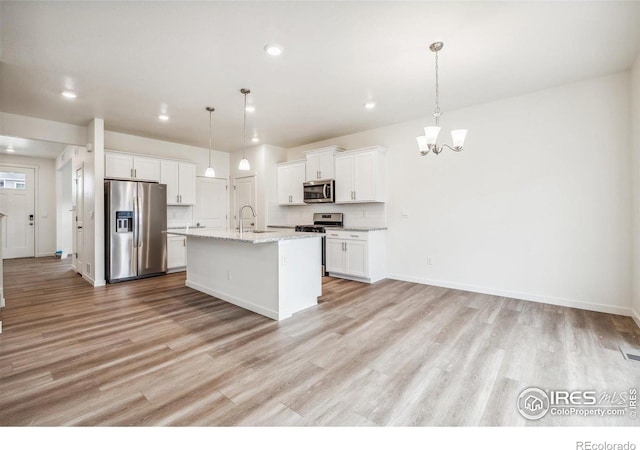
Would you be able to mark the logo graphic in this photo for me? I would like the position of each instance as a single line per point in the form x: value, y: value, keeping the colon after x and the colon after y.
x: 533, y: 403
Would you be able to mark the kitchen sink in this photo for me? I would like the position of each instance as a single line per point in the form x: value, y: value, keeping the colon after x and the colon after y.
x: 262, y: 231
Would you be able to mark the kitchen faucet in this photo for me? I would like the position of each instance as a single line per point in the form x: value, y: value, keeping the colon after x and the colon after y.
x: 240, y: 214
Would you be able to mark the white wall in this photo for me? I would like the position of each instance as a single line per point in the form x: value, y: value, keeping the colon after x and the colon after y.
x: 635, y: 151
x: 536, y: 206
x: 164, y: 149
x: 45, y: 201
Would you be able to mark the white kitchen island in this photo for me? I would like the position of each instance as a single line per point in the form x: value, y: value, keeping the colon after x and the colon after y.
x: 273, y: 273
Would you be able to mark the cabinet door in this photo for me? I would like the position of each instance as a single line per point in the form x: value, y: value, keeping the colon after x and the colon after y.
x: 296, y: 180
x: 312, y: 167
x: 117, y: 165
x: 325, y: 165
x: 146, y: 169
x: 364, y: 177
x: 335, y: 255
x: 344, y: 179
x: 284, y: 195
x: 169, y: 176
x: 356, y: 259
x: 176, y: 252
x: 187, y: 183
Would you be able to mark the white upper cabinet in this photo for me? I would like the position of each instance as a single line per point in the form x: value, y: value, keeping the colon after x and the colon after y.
x: 291, y: 176
x: 131, y: 167
x: 360, y: 175
x: 320, y: 163
x: 180, y: 178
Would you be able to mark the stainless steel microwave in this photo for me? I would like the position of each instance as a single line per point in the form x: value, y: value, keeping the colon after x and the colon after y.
x: 321, y: 191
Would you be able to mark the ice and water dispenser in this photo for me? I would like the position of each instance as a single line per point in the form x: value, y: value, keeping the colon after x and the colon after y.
x: 124, y: 221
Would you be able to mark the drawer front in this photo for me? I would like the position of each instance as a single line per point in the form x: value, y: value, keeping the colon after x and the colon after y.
x: 353, y: 235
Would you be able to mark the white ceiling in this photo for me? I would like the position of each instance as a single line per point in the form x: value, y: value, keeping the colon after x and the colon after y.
x: 127, y: 60
x: 30, y: 147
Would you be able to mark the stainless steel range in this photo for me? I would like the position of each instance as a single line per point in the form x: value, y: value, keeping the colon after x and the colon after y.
x: 322, y: 221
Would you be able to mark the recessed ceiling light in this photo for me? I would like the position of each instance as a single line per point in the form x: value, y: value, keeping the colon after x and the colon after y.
x: 163, y: 117
x: 10, y: 149
x: 370, y: 105
x: 250, y: 108
x: 273, y: 50
x: 255, y: 140
x: 68, y: 94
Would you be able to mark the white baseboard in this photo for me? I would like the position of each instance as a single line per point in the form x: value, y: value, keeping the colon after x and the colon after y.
x: 598, y: 307
x: 635, y: 316
x: 236, y: 301
x: 42, y: 255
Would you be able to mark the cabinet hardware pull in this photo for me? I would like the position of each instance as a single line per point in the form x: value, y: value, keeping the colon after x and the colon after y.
x: 135, y: 173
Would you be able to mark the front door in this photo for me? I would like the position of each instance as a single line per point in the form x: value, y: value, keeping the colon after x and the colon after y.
x: 17, y: 201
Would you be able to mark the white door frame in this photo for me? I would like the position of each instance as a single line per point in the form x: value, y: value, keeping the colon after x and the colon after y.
x: 36, y: 201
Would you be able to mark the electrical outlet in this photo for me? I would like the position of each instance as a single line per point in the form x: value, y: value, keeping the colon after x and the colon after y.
x: 228, y: 275
x: 429, y: 261
x: 404, y: 213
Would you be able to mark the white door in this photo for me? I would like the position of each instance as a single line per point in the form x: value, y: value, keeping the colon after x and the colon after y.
x: 325, y: 165
x: 356, y: 258
x: 169, y: 176
x: 187, y: 183
x: 364, y: 175
x: 146, y: 169
x: 176, y: 251
x: 335, y: 249
x: 212, y: 204
x: 79, y: 220
x: 296, y: 180
x: 17, y: 201
x: 344, y: 179
x: 312, y: 171
x: 245, y: 194
x: 117, y: 165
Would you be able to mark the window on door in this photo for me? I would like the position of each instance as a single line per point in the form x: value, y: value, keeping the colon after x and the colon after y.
x: 12, y: 180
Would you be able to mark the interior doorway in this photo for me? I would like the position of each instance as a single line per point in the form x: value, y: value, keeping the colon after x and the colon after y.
x: 245, y: 194
x: 17, y: 202
x: 212, y: 203
x: 78, y: 207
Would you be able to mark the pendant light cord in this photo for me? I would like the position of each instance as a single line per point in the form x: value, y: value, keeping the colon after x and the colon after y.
x: 244, y: 130
x: 436, y: 111
x: 210, y: 138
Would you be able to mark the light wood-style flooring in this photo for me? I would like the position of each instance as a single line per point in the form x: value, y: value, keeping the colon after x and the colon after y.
x: 153, y: 352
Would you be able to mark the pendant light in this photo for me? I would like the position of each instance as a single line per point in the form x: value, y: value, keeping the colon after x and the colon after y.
x: 210, y: 172
x: 429, y: 141
x: 244, y: 162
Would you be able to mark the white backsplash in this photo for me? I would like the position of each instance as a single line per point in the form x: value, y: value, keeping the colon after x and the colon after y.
x: 179, y: 216
x: 361, y: 214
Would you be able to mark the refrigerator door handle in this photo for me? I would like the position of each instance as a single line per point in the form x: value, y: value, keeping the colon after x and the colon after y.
x: 136, y: 224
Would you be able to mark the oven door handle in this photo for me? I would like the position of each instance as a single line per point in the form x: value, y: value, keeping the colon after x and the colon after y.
x: 324, y: 190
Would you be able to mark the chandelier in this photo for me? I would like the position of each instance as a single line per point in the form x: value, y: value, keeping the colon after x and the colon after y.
x: 429, y: 142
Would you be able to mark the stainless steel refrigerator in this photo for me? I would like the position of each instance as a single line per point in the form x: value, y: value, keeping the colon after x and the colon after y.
x: 136, y: 217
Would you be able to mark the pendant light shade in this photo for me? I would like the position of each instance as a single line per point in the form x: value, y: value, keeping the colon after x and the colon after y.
x: 210, y: 172
x: 244, y: 162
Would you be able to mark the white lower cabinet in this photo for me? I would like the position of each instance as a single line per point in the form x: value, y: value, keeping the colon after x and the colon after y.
x: 357, y: 255
x: 176, y: 253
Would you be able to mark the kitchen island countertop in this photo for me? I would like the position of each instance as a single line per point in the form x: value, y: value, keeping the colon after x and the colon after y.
x: 250, y: 237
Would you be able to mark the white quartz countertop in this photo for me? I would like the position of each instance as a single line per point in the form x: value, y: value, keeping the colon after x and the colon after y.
x: 345, y: 228
x: 250, y: 237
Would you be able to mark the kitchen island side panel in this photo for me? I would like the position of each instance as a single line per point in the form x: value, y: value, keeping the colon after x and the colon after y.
x: 275, y: 279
